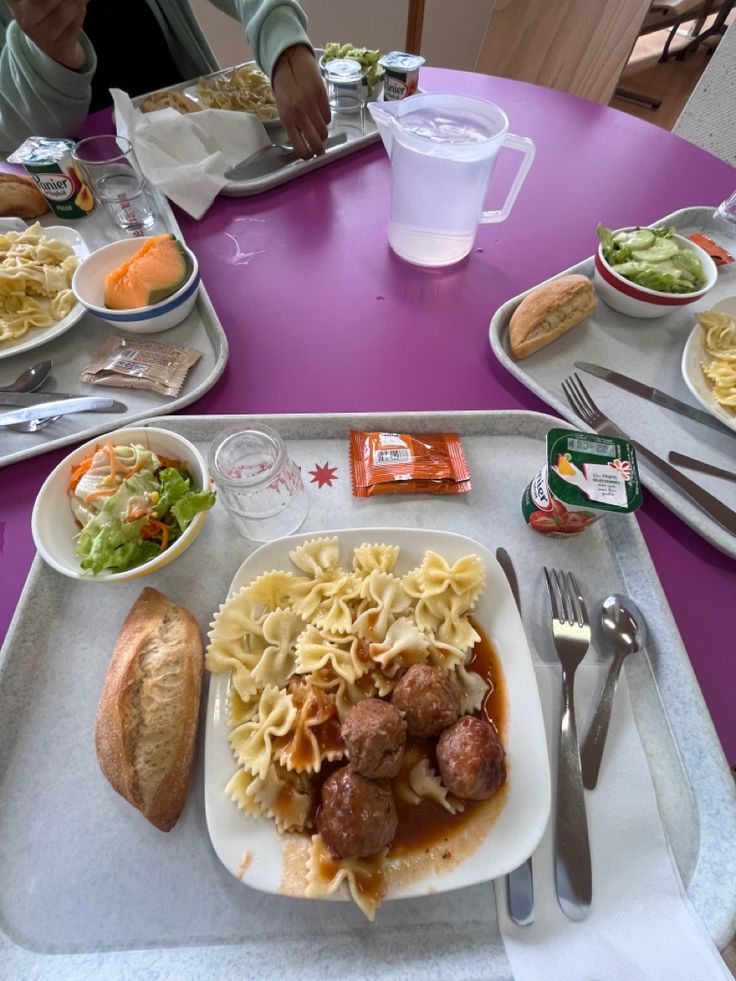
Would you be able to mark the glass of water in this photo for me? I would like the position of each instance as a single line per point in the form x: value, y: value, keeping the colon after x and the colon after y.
x: 110, y: 168
x: 259, y: 485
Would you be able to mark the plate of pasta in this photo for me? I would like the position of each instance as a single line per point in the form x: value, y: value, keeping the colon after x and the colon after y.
x: 709, y: 361
x: 373, y: 719
x: 243, y: 88
x: 36, y: 299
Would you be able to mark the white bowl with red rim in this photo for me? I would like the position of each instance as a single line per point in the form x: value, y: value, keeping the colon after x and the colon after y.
x: 638, y: 301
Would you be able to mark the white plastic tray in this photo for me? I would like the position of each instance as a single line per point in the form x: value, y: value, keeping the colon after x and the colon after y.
x: 85, y: 875
x: 74, y: 349
x: 649, y: 351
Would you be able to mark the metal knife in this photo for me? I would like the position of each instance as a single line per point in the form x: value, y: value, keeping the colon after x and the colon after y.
x: 656, y: 396
x: 700, y: 465
x: 273, y: 157
x: 61, y: 407
x: 33, y: 398
x: 520, y: 882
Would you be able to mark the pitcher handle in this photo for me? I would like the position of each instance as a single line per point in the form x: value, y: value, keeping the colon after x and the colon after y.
x: 525, y: 146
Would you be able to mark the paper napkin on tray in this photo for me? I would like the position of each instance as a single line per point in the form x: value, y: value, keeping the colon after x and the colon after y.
x: 187, y: 155
x: 641, y: 925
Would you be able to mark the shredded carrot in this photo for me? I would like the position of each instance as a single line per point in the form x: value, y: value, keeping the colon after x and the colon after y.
x: 166, y: 461
x: 110, y: 450
x: 78, y: 472
x: 138, y: 466
x: 100, y: 492
x: 153, y: 528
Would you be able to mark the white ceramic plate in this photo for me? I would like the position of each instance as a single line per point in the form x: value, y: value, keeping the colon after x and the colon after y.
x: 521, y: 823
x: 693, y: 353
x: 37, y: 336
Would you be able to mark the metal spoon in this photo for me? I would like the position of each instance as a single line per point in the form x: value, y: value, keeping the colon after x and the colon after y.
x: 30, y: 379
x: 624, y: 626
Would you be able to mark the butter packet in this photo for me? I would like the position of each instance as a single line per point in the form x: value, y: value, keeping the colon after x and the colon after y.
x: 135, y: 362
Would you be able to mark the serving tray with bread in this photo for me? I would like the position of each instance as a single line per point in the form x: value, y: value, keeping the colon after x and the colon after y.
x: 111, y: 812
x: 76, y: 336
x: 539, y: 335
x: 244, y: 88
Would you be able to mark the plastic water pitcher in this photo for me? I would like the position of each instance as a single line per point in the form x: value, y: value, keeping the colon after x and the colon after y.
x: 442, y: 150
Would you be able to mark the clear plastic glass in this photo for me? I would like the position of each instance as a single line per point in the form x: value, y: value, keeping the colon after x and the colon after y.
x: 345, y: 91
x: 110, y: 168
x: 727, y: 209
x: 259, y: 485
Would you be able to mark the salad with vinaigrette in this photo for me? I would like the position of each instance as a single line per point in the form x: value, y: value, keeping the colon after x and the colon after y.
x: 651, y: 257
x: 130, y: 504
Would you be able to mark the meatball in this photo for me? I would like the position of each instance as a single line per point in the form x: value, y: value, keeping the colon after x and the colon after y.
x: 357, y: 816
x: 471, y: 759
x: 375, y: 735
x: 428, y: 698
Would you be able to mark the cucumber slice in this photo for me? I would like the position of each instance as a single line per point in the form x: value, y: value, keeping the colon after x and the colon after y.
x: 662, y: 249
x: 640, y: 238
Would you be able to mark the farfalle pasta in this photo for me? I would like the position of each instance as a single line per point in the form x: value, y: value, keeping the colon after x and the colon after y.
x: 35, y: 281
x: 302, y: 648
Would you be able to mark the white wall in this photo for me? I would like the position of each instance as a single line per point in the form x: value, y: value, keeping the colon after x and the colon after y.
x: 453, y: 29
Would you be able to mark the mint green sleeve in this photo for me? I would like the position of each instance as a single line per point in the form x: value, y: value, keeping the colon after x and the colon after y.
x: 38, y: 96
x: 271, y: 26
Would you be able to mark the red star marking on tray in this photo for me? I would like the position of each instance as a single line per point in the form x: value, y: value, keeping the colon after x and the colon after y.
x: 322, y: 476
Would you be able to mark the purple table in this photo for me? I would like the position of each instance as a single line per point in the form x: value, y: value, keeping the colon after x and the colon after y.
x: 322, y: 317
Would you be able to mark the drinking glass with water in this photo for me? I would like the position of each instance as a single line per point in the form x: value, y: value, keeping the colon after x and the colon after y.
x: 111, y: 169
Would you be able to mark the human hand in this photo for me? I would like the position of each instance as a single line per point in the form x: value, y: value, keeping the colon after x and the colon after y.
x: 53, y: 25
x: 302, y: 100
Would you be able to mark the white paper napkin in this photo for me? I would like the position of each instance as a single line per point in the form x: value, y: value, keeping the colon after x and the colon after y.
x: 186, y: 155
x: 641, y: 925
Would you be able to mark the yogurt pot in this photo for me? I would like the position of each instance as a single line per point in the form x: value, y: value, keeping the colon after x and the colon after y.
x: 49, y: 162
x: 402, y: 74
x: 584, y: 477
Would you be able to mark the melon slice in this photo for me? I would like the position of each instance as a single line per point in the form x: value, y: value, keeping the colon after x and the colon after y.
x: 159, y: 268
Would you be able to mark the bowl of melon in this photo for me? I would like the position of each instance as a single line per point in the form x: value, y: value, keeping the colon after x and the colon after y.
x: 142, y: 285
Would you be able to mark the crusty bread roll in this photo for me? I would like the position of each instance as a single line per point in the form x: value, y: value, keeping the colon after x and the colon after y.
x: 169, y: 100
x: 20, y: 198
x: 147, y: 717
x: 548, y: 312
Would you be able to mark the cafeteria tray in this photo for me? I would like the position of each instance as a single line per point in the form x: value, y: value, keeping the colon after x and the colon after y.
x: 357, y: 136
x: 85, y: 875
x: 72, y: 351
x: 649, y: 351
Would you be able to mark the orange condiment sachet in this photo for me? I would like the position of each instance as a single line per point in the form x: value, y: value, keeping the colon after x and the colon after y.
x: 397, y: 463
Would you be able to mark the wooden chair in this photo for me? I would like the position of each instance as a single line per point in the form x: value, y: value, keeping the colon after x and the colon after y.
x: 578, y: 46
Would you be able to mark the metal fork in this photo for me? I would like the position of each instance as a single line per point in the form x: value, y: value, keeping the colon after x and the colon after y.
x: 581, y: 403
x: 571, y: 634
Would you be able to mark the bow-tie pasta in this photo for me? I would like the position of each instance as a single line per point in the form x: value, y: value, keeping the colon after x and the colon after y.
x: 305, y: 647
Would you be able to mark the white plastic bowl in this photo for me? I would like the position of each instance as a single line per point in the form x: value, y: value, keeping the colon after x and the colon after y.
x: 638, y: 301
x: 53, y: 524
x: 88, y: 285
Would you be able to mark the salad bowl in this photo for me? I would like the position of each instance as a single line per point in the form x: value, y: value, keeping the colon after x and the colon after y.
x: 56, y: 530
x: 639, y: 301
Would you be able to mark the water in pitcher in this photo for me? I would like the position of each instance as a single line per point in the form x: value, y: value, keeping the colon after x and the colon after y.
x: 436, y: 201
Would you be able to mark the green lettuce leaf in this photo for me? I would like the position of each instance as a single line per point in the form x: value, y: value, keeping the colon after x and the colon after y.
x: 188, y: 506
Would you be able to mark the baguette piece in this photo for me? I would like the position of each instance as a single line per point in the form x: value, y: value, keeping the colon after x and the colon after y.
x: 147, y: 718
x: 550, y: 311
x: 20, y: 198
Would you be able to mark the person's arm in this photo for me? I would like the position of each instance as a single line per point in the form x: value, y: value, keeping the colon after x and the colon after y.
x: 277, y: 32
x: 38, y: 94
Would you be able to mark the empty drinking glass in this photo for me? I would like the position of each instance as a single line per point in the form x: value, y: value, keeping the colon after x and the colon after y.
x: 259, y: 485
x: 727, y: 209
x: 111, y: 169
x: 344, y: 80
